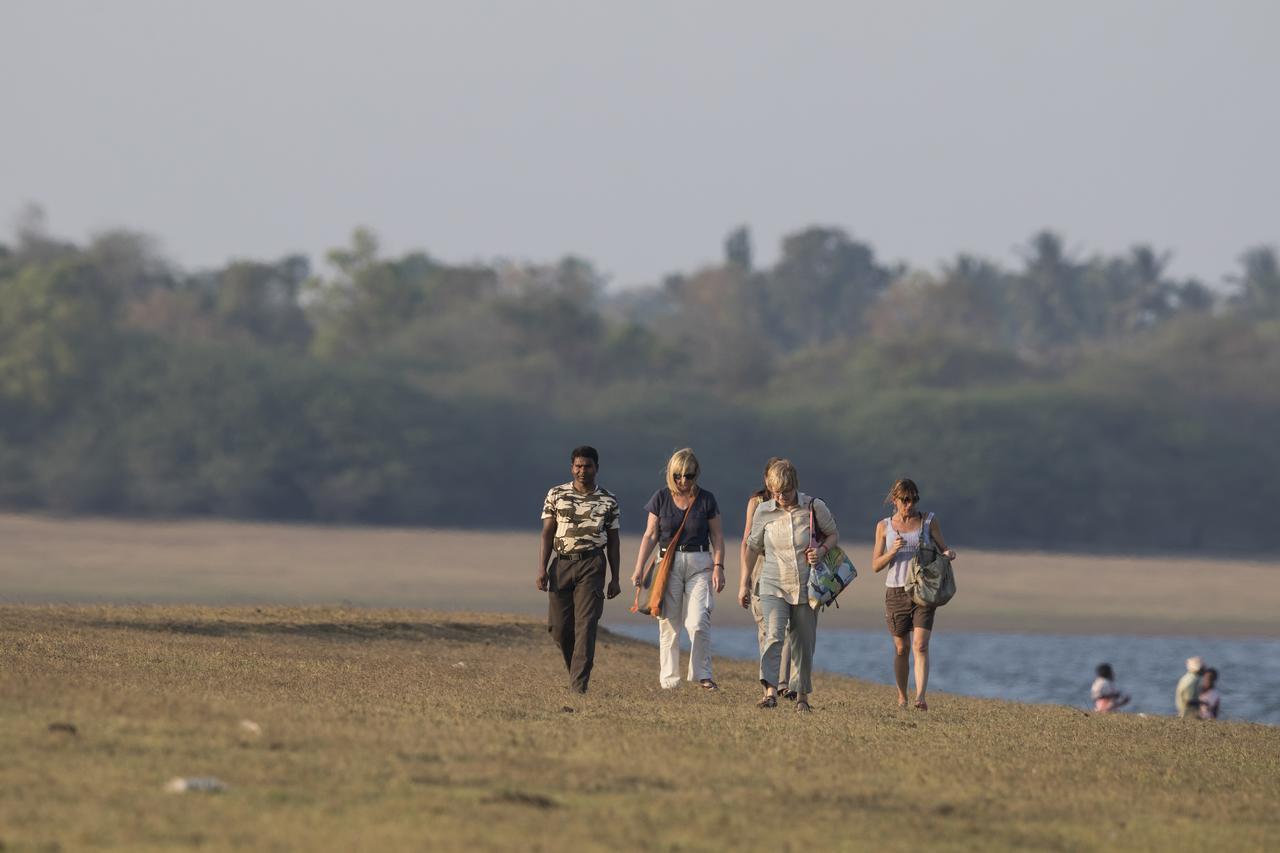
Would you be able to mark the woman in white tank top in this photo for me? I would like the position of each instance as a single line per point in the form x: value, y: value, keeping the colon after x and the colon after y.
x: 897, y: 540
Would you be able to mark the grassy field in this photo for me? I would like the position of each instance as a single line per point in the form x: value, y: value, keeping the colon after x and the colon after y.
x: 412, y: 729
x: 214, y: 562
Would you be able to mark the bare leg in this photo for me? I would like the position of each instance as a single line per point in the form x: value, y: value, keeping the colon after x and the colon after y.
x: 901, y: 664
x: 920, y: 645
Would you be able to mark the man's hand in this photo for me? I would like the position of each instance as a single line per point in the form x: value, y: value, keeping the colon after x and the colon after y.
x: 542, y: 580
x: 717, y: 579
x: 614, y: 590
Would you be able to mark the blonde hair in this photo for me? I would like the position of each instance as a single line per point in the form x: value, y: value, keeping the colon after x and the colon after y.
x: 682, y: 462
x: 781, y: 477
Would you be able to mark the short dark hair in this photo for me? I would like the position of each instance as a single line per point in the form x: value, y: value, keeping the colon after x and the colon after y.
x: 586, y: 451
x: 1104, y: 671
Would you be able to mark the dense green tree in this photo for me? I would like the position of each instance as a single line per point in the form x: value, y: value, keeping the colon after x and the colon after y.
x: 259, y: 302
x: 1259, y: 283
x: 1052, y: 297
x: 737, y: 248
x: 822, y: 287
x: 56, y: 327
x: 1082, y: 392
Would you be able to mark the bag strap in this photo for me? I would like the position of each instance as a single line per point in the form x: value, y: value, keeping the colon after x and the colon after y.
x: 635, y: 605
x: 816, y: 536
x: 675, y: 540
x: 924, y: 529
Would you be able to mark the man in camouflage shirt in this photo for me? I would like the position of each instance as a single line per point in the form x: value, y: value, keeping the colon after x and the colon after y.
x: 580, y: 524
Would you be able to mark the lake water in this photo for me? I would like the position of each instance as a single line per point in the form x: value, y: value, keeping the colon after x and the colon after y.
x: 1046, y: 668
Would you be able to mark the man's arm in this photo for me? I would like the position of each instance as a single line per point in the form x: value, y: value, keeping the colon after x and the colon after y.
x: 614, y: 552
x: 544, y: 556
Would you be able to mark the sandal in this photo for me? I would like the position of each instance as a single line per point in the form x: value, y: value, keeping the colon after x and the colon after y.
x: 768, y: 702
x: 708, y: 684
x: 788, y: 694
x: 922, y: 705
x: 803, y: 707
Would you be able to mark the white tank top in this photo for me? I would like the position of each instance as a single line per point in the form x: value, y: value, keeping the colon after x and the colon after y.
x: 896, y: 574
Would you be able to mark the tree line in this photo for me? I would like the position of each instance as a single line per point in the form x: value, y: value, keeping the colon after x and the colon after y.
x: 1063, y: 401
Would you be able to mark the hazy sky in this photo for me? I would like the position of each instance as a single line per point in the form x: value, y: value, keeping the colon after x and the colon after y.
x: 637, y: 134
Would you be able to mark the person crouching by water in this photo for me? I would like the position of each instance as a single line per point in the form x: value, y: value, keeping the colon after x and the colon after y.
x: 1106, y: 696
x: 696, y: 574
x: 782, y: 533
x: 784, y: 665
x: 897, y: 540
x: 1210, y: 698
x: 580, y: 522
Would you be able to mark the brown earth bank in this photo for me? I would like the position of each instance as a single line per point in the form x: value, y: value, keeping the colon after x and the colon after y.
x: 406, y: 729
x: 218, y: 562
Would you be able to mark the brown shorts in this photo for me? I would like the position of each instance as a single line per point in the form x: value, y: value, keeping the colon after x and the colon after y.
x: 902, y: 614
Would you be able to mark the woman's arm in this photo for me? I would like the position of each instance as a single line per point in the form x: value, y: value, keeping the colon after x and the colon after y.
x: 717, y: 553
x: 647, y: 543
x: 935, y: 533
x: 744, y: 586
x: 880, y: 557
x: 750, y: 554
x: 746, y: 531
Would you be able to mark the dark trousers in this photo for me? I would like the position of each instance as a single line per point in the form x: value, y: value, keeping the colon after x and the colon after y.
x: 577, y: 600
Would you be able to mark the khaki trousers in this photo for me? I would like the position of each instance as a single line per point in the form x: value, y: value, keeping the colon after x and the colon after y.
x: 784, y: 665
x: 796, y: 625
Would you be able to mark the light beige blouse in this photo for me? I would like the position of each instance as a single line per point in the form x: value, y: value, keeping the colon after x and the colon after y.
x: 783, y: 536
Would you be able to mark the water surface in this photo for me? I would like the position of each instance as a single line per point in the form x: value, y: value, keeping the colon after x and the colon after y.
x: 1045, y: 668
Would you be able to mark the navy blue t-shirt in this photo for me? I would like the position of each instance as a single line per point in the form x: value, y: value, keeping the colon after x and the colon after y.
x: 696, y: 529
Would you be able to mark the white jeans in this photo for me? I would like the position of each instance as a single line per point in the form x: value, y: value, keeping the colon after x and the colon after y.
x: 688, y: 599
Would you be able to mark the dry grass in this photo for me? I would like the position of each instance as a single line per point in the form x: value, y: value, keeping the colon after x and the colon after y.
x: 405, y: 729
x: 213, y: 562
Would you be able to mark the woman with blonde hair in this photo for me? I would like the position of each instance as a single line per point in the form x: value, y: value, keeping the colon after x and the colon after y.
x: 696, y: 574
x: 783, y: 532
x: 784, y: 664
x: 898, y: 538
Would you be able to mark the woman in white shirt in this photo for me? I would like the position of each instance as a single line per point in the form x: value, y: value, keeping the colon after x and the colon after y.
x: 898, y: 538
x: 782, y: 532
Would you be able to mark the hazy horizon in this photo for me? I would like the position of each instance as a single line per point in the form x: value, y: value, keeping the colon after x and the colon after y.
x: 637, y: 137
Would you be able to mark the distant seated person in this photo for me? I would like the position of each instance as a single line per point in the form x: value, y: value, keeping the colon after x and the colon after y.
x: 1106, y: 698
x: 1210, y: 700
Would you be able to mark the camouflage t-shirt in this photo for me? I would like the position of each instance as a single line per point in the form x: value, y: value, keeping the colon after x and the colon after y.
x: 581, y: 520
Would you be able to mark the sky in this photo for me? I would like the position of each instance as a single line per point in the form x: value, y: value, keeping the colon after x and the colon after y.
x: 638, y: 134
